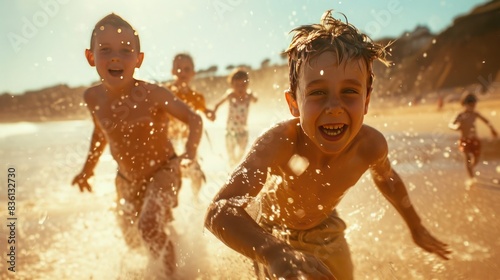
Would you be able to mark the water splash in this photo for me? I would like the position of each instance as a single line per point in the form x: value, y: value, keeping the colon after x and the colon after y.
x: 298, y: 164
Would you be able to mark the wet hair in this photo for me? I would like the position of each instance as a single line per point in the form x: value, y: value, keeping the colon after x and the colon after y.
x: 237, y: 74
x: 185, y: 56
x: 470, y: 98
x: 117, y: 22
x: 345, y: 40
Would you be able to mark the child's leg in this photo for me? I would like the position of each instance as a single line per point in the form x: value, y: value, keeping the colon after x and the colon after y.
x: 231, y: 147
x: 196, y: 175
x: 156, y: 213
x: 469, y: 165
x: 127, y: 210
x: 242, y: 139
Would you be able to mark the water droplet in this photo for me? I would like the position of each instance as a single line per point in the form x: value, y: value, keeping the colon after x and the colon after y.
x: 101, y: 28
x: 290, y: 200
x: 320, y: 207
x: 152, y: 162
x: 321, y: 72
x: 298, y: 164
x: 300, y: 213
x: 119, y: 30
x: 424, y: 55
x: 43, y: 218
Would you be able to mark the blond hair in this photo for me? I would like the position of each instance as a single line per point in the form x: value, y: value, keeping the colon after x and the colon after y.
x: 331, y: 35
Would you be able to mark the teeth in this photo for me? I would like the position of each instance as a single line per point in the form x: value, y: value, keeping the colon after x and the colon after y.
x: 333, y: 130
x: 336, y: 126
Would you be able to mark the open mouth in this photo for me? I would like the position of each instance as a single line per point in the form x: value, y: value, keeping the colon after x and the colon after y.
x: 332, y: 131
x: 116, y: 73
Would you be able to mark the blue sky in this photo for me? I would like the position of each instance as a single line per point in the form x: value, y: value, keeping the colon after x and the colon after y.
x: 43, y: 41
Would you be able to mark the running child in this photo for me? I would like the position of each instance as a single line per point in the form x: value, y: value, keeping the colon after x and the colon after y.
x: 239, y: 98
x: 465, y: 122
x: 132, y: 117
x: 301, y: 168
x: 183, y: 73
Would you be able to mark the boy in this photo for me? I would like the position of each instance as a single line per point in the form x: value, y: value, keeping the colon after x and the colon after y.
x: 239, y: 98
x: 469, y: 143
x: 131, y: 115
x: 183, y: 72
x: 301, y: 168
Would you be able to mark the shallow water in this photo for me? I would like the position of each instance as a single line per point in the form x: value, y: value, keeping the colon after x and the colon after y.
x: 63, y: 234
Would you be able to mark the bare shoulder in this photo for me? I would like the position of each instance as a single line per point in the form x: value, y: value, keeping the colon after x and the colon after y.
x: 277, y: 143
x: 372, y: 144
x: 92, y: 95
x: 155, y: 92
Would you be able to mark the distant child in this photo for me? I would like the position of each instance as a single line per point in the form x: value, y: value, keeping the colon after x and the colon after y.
x: 183, y: 72
x: 131, y: 115
x: 239, y: 98
x: 300, y: 169
x: 469, y: 143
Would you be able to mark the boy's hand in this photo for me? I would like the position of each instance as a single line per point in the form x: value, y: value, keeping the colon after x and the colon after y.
x: 298, y: 265
x: 210, y: 114
x: 82, y: 181
x: 430, y: 244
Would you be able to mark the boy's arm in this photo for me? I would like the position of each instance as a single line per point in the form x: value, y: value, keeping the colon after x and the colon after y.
x: 392, y: 187
x: 227, y: 219
x: 492, y: 129
x: 454, y: 125
x: 254, y: 97
x: 97, y: 144
x: 182, y: 112
x: 222, y: 100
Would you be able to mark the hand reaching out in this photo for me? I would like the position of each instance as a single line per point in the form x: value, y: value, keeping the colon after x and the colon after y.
x: 82, y: 181
x: 430, y: 244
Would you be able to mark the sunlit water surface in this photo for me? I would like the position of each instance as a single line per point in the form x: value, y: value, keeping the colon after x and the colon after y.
x: 63, y: 234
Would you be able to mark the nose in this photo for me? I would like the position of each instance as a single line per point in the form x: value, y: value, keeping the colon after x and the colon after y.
x: 334, y: 106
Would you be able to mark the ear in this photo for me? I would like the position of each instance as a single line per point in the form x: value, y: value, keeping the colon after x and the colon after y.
x: 292, y: 103
x: 90, y: 57
x: 367, y: 101
x: 140, y: 58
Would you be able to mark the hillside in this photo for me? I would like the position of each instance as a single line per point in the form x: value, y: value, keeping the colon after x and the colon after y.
x: 425, y: 67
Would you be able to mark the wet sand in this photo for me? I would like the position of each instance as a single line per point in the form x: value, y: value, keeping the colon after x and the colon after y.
x: 62, y: 234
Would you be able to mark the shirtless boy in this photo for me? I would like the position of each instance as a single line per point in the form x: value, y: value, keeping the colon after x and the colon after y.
x: 183, y: 73
x: 469, y: 143
x: 131, y: 116
x: 301, y: 168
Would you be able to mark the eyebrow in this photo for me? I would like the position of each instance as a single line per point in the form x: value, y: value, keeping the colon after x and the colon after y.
x: 317, y: 82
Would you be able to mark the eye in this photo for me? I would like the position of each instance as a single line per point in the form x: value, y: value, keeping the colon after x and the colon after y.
x: 127, y: 50
x: 350, y: 91
x: 317, y: 93
x: 104, y: 49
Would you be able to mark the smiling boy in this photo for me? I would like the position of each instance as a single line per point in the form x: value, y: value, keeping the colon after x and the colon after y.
x: 132, y: 117
x: 300, y: 169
